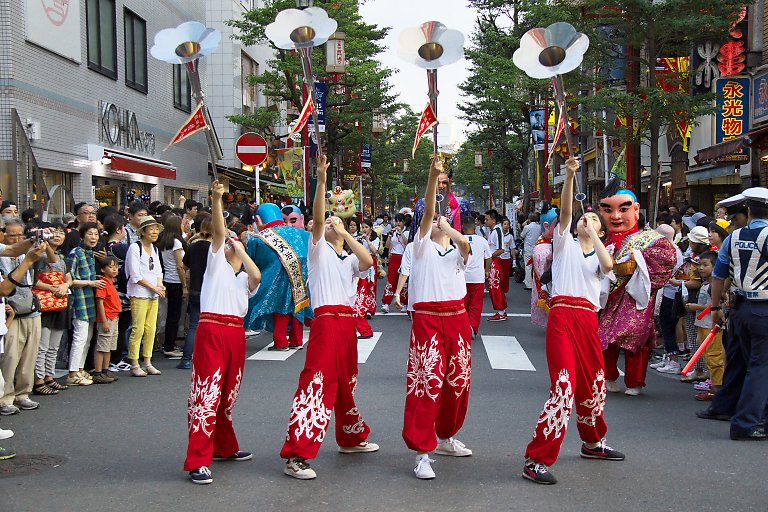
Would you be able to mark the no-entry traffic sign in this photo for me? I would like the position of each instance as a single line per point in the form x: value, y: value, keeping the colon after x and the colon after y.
x: 251, y: 149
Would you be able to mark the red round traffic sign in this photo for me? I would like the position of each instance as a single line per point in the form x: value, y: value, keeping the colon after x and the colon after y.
x: 251, y: 149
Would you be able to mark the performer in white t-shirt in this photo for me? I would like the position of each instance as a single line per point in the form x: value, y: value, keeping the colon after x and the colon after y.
x: 478, y: 268
x: 396, y: 244
x: 365, y: 301
x: 439, y: 357
x: 219, y: 356
x: 574, y: 355
x: 402, y: 300
x: 496, y: 274
x: 329, y: 378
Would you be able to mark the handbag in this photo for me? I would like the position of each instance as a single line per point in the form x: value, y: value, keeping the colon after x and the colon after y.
x: 48, y: 301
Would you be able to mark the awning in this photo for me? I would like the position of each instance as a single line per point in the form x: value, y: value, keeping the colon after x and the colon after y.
x: 239, y: 179
x: 720, y: 150
x: 759, y: 137
x: 709, y: 171
x: 127, y: 162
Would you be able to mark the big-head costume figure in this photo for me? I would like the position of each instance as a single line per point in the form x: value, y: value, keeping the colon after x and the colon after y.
x: 451, y: 207
x: 643, y: 263
x: 280, y: 252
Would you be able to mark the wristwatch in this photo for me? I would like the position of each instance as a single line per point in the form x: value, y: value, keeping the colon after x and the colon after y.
x: 715, y: 308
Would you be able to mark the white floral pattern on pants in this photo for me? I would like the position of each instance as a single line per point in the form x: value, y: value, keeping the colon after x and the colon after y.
x: 557, y: 410
x: 460, y: 368
x: 309, y: 414
x: 204, y: 396
x: 596, y: 404
x: 233, y: 393
x: 425, y: 377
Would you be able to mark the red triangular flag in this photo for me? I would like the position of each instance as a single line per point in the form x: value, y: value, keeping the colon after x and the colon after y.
x: 194, y: 124
x: 309, y: 106
x: 427, y: 121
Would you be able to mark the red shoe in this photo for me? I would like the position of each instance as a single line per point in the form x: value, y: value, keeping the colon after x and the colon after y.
x: 497, y: 317
x: 705, y: 396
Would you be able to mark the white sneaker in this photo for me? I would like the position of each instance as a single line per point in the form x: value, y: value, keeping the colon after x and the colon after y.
x: 250, y: 332
x: 612, y: 386
x: 364, y: 447
x: 423, y: 469
x: 633, y: 391
x: 385, y: 308
x: 113, y: 368
x: 6, y: 433
x: 663, y: 362
x: 452, y: 447
x: 670, y: 367
x: 299, y: 468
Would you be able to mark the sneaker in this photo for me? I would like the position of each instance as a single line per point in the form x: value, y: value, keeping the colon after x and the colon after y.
x: 633, y: 391
x: 100, y: 378
x: 671, y: 367
x: 112, y: 375
x: 173, y: 354
x: 662, y: 362
x: 601, y: 451
x: 273, y: 348
x: 497, y: 317
x: 27, y: 405
x: 250, y: 332
x: 452, y: 447
x: 296, y: 347
x: 703, y: 386
x: 8, y: 410
x: 364, y: 447
x: 237, y: 456
x: 184, y: 365
x: 612, y: 386
x: 201, y: 475
x: 122, y: 366
x: 299, y: 468
x: 366, y: 337
x: 113, y: 368
x: 385, y: 308
x: 423, y: 469
x: 6, y: 433
x: 77, y: 380
x: 538, y: 473
x: 6, y: 454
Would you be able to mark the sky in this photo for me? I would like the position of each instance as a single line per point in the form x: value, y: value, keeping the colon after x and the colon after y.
x: 409, y: 81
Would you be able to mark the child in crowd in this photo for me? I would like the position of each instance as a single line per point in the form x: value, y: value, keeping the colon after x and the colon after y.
x: 713, y: 354
x: 574, y: 355
x: 478, y: 267
x: 108, y: 310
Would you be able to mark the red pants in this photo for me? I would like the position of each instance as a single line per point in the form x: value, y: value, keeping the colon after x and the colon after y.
x: 473, y: 303
x: 575, y: 371
x: 365, y: 301
x: 506, y: 271
x: 217, y: 371
x: 439, y: 370
x: 280, y: 335
x: 393, y: 272
x: 635, y: 365
x: 495, y: 290
x: 326, y: 383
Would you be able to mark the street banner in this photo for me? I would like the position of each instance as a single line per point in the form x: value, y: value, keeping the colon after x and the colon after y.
x: 321, y: 92
x: 538, y: 129
x: 290, y: 161
x: 194, y: 124
x: 760, y: 99
x: 366, y: 155
x: 306, y: 113
x: 732, y: 114
x: 619, y: 168
x: 427, y: 121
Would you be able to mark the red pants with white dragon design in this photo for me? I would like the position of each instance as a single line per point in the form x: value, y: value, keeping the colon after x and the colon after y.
x: 495, y: 286
x: 576, y: 371
x: 217, y: 371
x: 326, y: 383
x: 439, y: 370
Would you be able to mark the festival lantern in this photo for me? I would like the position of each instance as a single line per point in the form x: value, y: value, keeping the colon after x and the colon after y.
x: 186, y: 44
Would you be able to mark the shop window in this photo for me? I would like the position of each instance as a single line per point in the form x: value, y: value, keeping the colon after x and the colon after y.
x: 248, y: 67
x: 182, y: 89
x: 135, y: 51
x: 102, y: 37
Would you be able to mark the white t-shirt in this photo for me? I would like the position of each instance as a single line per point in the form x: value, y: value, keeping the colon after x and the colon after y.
x: 142, y: 264
x: 496, y: 239
x: 170, y: 272
x: 331, y: 276
x: 573, y: 273
x: 481, y: 251
x: 405, y: 263
x: 437, y: 274
x: 507, y: 244
x: 398, y: 247
x: 223, y: 291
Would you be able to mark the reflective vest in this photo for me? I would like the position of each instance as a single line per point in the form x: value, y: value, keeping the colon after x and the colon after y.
x: 749, y: 262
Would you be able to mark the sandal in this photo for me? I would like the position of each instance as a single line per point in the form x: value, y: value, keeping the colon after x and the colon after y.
x: 56, y: 385
x: 42, y: 389
x: 136, y: 371
x: 151, y: 370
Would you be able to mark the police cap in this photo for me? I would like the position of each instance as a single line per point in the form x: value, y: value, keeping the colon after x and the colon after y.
x: 732, y: 201
x: 757, y: 196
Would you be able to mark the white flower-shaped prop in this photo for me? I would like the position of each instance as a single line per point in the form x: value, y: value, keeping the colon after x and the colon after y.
x: 431, y: 45
x: 185, y: 43
x: 294, y: 28
x: 551, y: 51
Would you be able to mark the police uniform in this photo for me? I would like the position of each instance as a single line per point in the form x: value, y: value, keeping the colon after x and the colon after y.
x: 744, y: 258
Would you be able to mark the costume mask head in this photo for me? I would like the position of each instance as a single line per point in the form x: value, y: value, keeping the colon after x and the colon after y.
x: 266, y: 213
x: 293, y: 217
x: 620, y: 208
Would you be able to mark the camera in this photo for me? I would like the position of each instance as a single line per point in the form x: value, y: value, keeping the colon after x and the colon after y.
x: 39, y: 234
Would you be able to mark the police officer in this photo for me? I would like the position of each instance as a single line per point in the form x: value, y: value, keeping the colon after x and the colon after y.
x: 744, y: 257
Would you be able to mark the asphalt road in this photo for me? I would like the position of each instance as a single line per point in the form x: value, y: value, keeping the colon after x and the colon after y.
x: 123, y: 445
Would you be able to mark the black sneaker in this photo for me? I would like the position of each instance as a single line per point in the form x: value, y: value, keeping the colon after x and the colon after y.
x: 538, y: 473
x: 273, y: 348
x: 201, y: 475
x: 709, y: 414
x: 601, y: 451
x: 237, y: 456
x: 6, y: 454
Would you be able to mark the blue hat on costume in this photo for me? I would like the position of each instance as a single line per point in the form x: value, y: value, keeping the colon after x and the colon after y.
x: 269, y: 212
x: 549, y: 216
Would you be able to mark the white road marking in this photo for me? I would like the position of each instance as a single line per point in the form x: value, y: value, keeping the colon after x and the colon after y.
x: 505, y: 353
x: 268, y: 355
x: 365, y: 347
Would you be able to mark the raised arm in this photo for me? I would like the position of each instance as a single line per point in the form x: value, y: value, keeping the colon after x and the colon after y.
x: 363, y: 255
x: 430, y: 197
x: 566, y: 196
x: 254, y: 274
x: 219, y: 224
x: 318, y: 206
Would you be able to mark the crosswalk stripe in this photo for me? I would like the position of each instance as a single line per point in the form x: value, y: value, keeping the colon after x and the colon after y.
x: 365, y: 347
x: 267, y: 355
x: 505, y: 353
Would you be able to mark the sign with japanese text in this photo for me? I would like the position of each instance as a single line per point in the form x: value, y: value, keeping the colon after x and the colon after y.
x: 55, y: 26
x: 760, y: 98
x: 366, y: 155
x: 732, y: 114
x: 321, y: 89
